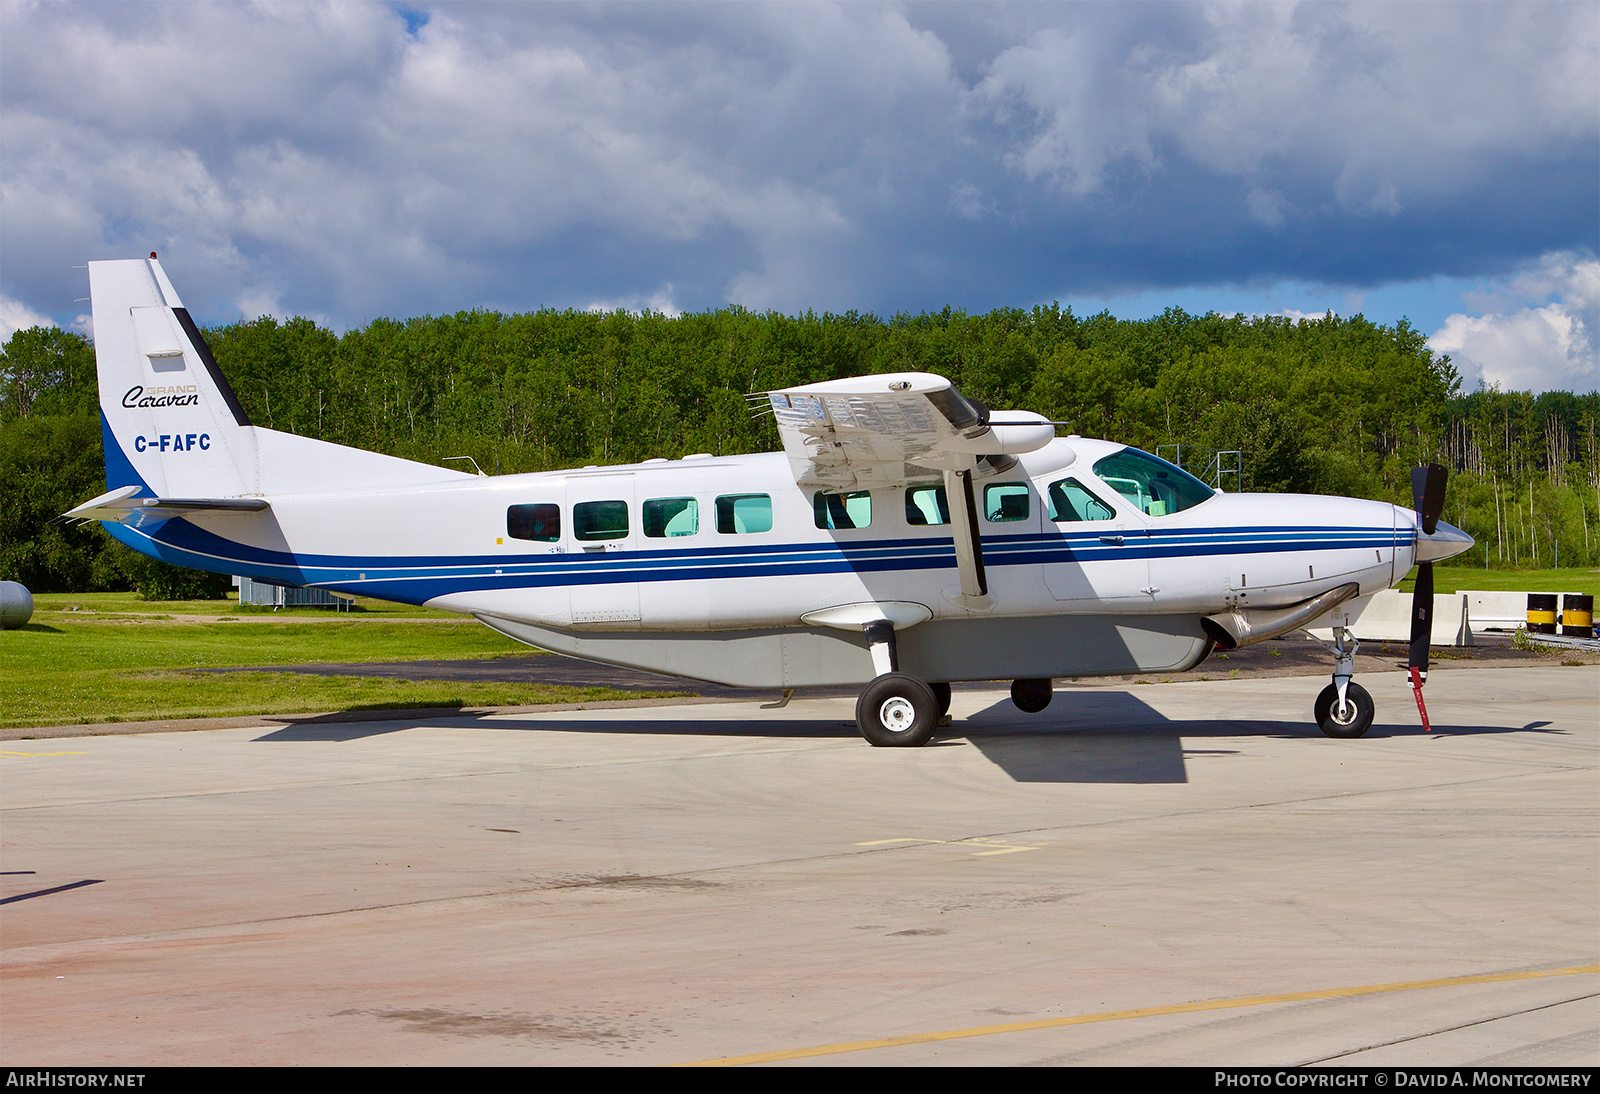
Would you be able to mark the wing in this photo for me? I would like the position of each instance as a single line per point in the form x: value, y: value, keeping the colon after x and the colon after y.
x: 900, y: 428
x: 894, y: 429
x: 120, y: 504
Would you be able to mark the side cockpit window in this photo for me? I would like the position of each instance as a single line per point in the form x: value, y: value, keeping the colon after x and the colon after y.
x: 1070, y: 501
x: 540, y: 523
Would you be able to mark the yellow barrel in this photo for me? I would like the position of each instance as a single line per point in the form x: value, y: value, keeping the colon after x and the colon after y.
x: 1577, y: 615
x: 1541, y: 613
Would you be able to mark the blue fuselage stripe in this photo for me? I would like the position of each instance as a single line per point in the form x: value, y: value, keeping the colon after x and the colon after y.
x: 415, y: 579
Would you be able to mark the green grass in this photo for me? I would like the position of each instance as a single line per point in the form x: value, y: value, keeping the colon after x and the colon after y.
x: 1452, y: 579
x: 66, y: 668
x: 93, y: 644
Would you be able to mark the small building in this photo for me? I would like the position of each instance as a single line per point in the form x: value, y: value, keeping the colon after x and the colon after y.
x: 269, y: 594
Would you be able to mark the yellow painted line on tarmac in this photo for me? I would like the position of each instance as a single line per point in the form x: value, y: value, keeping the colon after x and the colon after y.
x: 43, y: 753
x: 1118, y: 1015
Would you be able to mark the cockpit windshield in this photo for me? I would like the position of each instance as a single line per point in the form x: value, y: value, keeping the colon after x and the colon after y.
x: 1154, y: 486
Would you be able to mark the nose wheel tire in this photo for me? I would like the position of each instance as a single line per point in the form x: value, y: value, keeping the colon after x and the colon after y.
x: 1352, y: 721
x: 1031, y: 696
x: 897, y: 711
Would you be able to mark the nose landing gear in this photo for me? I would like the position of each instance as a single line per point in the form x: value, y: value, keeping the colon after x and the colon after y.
x: 1351, y: 718
x: 1344, y: 709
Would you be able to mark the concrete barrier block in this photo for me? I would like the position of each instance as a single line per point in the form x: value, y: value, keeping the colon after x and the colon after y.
x: 1490, y: 610
x: 1386, y: 617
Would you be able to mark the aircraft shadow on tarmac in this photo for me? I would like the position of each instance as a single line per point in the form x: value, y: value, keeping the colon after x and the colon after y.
x: 1109, y: 736
x: 1088, y: 736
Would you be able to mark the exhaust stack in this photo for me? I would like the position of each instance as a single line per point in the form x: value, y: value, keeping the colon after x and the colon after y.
x: 1246, y: 627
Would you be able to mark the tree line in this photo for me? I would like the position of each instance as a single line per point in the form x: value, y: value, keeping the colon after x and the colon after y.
x: 1325, y: 405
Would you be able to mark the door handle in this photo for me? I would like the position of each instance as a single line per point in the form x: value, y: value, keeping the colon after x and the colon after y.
x: 1110, y: 539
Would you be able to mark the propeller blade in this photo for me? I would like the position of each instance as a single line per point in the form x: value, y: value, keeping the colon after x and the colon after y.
x: 1421, y: 618
x: 1422, y: 708
x: 1427, y: 494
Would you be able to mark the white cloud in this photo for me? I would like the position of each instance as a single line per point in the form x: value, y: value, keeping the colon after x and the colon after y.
x: 324, y: 137
x: 305, y: 157
x: 659, y: 302
x: 1367, y: 107
x: 1536, y: 346
x: 258, y: 300
x: 15, y: 316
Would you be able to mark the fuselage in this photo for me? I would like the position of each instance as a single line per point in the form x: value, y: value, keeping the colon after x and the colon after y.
x: 734, y: 542
x: 904, y: 532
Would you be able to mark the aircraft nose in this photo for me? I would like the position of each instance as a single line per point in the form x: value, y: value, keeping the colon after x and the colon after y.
x: 1447, y: 541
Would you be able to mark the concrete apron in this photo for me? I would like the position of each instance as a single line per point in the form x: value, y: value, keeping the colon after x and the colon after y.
x: 674, y: 884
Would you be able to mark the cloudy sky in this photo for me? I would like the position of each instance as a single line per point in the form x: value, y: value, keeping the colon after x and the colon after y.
x: 1437, y: 162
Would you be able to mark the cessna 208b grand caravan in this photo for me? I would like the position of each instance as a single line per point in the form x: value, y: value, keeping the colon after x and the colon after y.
x: 905, y: 537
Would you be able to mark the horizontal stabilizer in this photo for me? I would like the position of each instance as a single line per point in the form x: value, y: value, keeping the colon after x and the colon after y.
x: 120, y: 504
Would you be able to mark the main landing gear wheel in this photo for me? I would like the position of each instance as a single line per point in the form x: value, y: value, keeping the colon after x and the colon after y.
x: 1356, y: 717
x: 1031, y: 696
x: 897, y: 711
x: 941, y: 693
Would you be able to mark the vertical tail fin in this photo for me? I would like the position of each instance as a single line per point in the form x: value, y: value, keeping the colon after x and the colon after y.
x: 174, y: 428
x: 172, y: 424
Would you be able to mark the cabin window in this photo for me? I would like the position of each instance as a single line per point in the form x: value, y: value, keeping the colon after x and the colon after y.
x: 669, y: 517
x: 1154, y: 486
x: 540, y: 523
x: 1069, y: 501
x: 600, y: 520
x: 843, y: 510
x: 927, y: 505
x: 741, y: 513
x: 1005, y: 501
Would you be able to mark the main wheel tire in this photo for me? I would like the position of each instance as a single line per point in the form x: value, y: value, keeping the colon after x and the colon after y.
x: 1031, y: 696
x: 1351, y: 722
x: 941, y: 693
x: 897, y: 711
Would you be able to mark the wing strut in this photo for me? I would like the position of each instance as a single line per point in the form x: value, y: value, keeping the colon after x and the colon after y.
x: 964, y: 529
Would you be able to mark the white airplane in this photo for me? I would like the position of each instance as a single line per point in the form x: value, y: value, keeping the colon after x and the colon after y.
x: 905, y: 538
